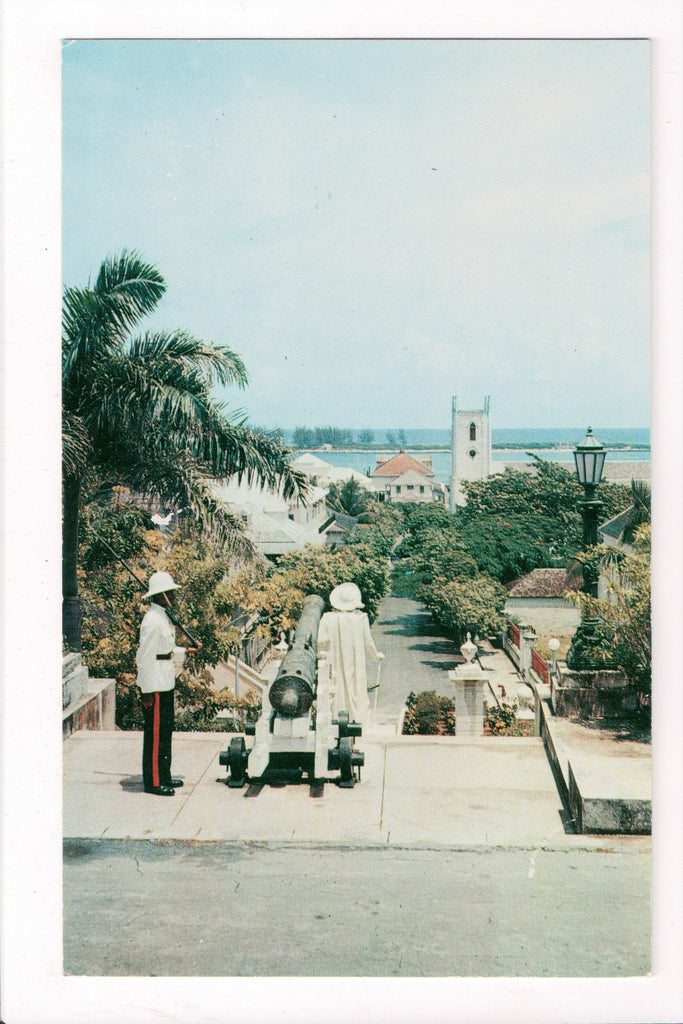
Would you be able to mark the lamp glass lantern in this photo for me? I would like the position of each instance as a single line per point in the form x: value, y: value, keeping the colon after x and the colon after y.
x: 589, y: 457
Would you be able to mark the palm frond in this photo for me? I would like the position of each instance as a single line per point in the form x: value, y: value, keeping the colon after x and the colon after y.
x: 164, y: 379
x: 179, y: 483
x: 134, y: 286
x: 128, y: 397
x: 600, y: 555
x: 96, y: 320
x: 642, y: 497
x: 86, y: 330
x: 128, y: 403
x: 235, y: 450
x: 226, y: 529
x: 639, y: 513
x: 172, y: 354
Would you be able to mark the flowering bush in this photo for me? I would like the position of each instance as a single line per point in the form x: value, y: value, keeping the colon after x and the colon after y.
x: 501, y: 720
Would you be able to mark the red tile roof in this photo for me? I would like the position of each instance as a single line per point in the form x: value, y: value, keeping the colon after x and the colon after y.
x: 400, y: 464
x: 544, y: 583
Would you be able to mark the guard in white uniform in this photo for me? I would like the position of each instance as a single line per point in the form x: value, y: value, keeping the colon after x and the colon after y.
x: 344, y: 635
x: 157, y: 659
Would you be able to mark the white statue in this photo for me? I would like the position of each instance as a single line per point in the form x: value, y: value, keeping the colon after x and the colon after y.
x: 344, y: 638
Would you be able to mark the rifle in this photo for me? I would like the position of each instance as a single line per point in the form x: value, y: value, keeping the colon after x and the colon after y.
x: 169, y: 611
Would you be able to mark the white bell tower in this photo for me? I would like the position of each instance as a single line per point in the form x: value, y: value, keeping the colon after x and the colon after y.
x: 471, y: 448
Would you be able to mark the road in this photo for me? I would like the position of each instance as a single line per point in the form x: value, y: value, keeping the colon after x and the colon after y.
x: 226, y: 909
x: 416, y: 656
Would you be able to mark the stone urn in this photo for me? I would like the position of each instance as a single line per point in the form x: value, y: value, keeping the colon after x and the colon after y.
x: 468, y: 649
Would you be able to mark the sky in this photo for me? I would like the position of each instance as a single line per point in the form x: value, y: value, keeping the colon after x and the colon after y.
x: 378, y: 225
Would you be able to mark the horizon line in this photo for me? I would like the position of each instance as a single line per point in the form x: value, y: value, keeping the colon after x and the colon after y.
x: 448, y: 428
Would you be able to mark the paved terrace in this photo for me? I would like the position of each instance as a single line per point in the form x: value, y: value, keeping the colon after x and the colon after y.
x: 422, y: 791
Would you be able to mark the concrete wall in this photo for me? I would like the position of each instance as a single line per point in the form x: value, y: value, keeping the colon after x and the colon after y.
x: 245, y: 678
x: 95, y: 711
x: 559, y: 769
x: 593, y: 695
x: 428, y: 494
x: 549, y: 616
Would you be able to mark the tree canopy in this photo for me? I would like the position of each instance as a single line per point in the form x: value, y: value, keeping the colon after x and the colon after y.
x: 513, y: 522
x: 547, y: 490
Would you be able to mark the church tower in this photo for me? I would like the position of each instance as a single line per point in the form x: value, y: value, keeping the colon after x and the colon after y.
x: 471, y: 448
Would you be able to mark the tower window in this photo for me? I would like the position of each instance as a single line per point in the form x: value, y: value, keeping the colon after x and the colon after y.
x: 473, y: 432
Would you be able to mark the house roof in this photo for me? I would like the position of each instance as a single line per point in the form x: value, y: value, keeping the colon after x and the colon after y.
x: 345, y: 521
x: 338, y: 522
x: 328, y: 474
x: 544, y: 583
x: 251, y: 497
x: 311, y: 464
x: 399, y: 465
x: 615, y: 527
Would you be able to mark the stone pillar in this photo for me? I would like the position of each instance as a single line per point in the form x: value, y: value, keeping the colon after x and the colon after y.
x: 469, y: 681
x: 74, y: 679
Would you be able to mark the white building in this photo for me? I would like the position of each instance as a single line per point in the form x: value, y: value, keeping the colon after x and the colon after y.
x: 403, y: 478
x: 274, y: 524
x: 537, y: 600
x: 325, y: 474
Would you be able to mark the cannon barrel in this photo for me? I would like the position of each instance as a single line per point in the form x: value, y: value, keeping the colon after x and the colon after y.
x: 293, y: 689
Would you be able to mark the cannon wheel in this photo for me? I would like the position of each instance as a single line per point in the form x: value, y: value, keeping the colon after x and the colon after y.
x: 237, y: 762
x: 347, y: 777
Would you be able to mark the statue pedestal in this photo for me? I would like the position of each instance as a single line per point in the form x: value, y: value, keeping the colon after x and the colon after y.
x: 469, y: 681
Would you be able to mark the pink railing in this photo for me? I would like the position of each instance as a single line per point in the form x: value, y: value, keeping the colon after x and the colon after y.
x: 540, y: 666
x: 513, y: 633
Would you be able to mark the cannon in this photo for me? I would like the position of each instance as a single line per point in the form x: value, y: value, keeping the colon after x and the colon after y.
x: 295, y: 732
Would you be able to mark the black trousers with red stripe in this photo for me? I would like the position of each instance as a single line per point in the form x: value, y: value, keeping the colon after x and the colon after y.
x: 158, y: 710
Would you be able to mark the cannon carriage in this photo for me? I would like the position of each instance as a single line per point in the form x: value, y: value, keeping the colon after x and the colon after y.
x: 296, y: 732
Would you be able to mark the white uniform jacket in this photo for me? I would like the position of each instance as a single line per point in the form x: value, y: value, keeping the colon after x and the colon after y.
x: 157, y: 637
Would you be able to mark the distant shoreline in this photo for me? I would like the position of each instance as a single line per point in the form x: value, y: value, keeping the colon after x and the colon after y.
x: 557, y: 446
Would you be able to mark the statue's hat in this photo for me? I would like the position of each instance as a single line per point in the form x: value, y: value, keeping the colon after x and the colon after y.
x: 346, y: 597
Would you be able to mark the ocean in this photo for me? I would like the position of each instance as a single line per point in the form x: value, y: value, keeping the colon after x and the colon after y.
x: 517, y: 435
x: 365, y: 461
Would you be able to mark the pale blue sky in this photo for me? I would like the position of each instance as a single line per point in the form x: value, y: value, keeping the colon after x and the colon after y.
x: 378, y: 225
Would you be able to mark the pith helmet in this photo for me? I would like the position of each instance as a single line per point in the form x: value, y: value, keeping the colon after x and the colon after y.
x: 346, y: 597
x: 160, y: 583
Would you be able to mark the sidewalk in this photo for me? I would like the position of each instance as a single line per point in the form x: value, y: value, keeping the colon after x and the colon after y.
x: 414, y: 791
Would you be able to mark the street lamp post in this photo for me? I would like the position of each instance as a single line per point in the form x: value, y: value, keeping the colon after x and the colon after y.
x: 589, y: 457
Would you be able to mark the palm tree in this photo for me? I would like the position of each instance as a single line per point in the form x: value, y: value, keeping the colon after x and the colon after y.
x: 639, y: 512
x: 351, y: 498
x: 139, y: 411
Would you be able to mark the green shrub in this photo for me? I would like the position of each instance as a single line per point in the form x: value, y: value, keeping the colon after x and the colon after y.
x: 198, y: 712
x: 429, y: 715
